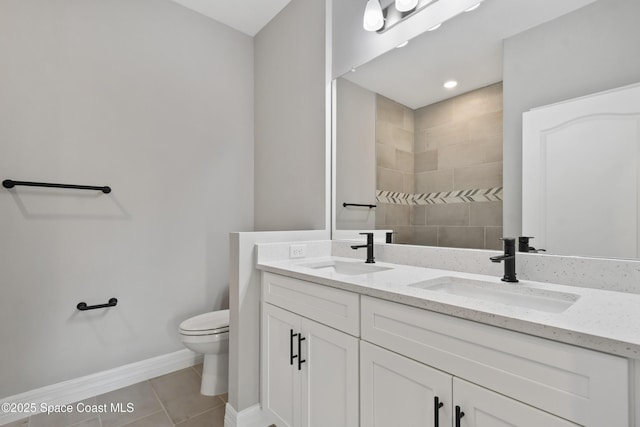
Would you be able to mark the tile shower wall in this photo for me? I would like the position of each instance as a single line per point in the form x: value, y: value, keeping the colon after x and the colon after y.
x: 457, y: 145
x: 394, y: 164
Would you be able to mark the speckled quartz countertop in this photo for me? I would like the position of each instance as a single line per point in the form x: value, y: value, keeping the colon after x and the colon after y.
x: 600, y: 320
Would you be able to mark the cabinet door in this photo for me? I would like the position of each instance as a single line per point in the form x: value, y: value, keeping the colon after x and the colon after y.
x: 280, y: 378
x: 484, y: 408
x: 397, y: 391
x: 329, y: 377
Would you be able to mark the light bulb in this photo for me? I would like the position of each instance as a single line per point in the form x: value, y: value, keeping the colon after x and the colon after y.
x: 406, y: 5
x: 474, y: 7
x: 373, y: 19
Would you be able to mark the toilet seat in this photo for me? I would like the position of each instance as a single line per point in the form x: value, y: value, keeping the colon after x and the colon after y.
x: 213, y: 323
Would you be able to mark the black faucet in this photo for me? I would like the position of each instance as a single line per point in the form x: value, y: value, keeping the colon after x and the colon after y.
x: 509, y: 259
x: 389, y: 238
x: 369, y: 246
x: 523, y: 245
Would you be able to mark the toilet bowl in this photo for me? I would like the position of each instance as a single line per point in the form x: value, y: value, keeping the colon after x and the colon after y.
x: 208, y: 334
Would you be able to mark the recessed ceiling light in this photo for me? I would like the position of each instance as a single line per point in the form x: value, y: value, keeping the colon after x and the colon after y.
x: 403, y: 44
x: 435, y: 27
x: 353, y: 70
x: 474, y: 7
x: 450, y: 84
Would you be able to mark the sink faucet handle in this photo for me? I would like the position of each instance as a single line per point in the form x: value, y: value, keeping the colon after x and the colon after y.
x: 523, y: 245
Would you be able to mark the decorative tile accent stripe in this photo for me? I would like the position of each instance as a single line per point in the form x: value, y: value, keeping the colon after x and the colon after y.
x: 443, y: 197
x: 394, y: 198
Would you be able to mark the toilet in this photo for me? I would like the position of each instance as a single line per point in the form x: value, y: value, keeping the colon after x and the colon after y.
x: 208, y: 334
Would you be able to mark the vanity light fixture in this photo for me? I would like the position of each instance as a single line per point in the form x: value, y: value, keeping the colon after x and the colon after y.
x: 450, y: 84
x: 406, y: 5
x: 474, y: 7
x: 377, y: 19
x: 373, y: 19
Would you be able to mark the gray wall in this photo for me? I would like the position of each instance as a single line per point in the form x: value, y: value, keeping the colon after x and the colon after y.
x: 290, y: 119
x: 155, y: 101
x: 587, y: 51
x: 355, y: 155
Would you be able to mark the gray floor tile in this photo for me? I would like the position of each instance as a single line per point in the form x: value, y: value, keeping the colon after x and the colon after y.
x: 212, y: 418
x: 141, y: 396
x: 60, y: 419
x: 162, y: 402
x: 198, y: 368
x: 93, y: 422
x: 20, y: 423
x: 180, y: 395
x: 159, y: 419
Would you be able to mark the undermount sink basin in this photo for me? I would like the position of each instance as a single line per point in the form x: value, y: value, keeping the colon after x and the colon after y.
x: 345, y: 267
x: 509, y: 294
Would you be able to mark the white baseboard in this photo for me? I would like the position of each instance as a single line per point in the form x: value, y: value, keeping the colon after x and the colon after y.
x: 250, y: 417
x: 102, y: 382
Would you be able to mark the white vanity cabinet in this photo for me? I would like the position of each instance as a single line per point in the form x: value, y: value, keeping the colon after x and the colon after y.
x: 398, y: 391
x: 335, y: 358
x: 309, y: 370
x: 520, y: 380
x: 484, y: 408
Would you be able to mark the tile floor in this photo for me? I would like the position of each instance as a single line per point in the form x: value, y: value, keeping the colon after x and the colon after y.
x: 167, y: 401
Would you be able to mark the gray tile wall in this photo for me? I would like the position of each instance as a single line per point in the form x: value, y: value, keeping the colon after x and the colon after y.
x: 455, y: 144
x: 395, y: 164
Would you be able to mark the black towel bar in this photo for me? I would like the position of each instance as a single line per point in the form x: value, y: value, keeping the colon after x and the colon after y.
x: 344, y: 205
x: 8, y: 183
x: 82, y: 306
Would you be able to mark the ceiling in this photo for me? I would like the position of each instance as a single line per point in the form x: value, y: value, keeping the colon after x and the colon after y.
x: 468, y: 49
x: 247, y: 16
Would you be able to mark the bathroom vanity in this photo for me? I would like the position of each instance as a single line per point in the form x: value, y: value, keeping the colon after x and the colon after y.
x: 351, y: 344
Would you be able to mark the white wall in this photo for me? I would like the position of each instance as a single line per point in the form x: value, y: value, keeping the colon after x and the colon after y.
x: 355, y: 155
x: 155, y: 101
x: 592, y: 49
x: 290, y: 142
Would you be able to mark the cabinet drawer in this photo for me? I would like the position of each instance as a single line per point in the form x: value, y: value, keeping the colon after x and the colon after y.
x: 584, y: 386
x: 332, y: 307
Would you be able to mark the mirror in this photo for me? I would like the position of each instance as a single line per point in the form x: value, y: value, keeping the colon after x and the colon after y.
x: 444, y: 166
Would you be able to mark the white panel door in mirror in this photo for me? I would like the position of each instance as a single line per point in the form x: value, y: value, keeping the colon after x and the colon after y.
x: 580, y: 175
